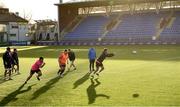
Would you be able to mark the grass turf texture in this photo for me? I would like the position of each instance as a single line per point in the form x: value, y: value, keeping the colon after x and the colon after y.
x: 149, y: 78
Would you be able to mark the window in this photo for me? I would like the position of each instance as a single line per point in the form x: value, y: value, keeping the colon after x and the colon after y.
x: 48, y: 37
x: 40, y: 36
x: 14, y: 27
x: 1, y: 37
x: 13, y: 35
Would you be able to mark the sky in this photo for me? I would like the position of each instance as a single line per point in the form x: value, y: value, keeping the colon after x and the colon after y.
x: 38, y: 9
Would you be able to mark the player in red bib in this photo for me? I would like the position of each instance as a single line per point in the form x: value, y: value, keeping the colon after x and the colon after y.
x: 36, y: 69
x: 63, y: 60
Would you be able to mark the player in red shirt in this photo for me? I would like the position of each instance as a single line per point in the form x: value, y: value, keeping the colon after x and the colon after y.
x: 63, y: 60
x: 36, y: 69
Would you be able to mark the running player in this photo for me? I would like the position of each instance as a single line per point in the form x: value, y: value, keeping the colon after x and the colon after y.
x: 63, y: 60
x: 99, y: 61
x: 72, y: 58
x: 36, y: 68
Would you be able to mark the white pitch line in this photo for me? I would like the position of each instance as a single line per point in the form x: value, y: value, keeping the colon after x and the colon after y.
x: 28, y: 48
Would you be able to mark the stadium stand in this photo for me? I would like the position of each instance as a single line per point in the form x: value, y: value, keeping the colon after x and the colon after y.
x: 133, y: 29
x: 140, y: 26
x: 90, y: 28
x: 135, y: 25
x: 174, y: 30
x: 144, y: 24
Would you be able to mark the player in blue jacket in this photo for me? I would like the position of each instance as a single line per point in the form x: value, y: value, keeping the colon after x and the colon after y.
x: 92, y: 58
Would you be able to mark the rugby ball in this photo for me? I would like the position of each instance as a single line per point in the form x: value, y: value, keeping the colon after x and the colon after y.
x: 134, y: 52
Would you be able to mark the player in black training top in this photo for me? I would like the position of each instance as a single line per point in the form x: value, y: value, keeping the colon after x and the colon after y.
x: 7, y: 60
x: 72, y: 58
x: 15, y: 61
x: 99, y: 61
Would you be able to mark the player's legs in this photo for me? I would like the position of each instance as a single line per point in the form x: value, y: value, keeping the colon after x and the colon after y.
x: 17, y: 69
x: 62, y: 69
x: 39, y: 74
x: 97, y: 69
x: 59, y: 71
x: 102, y: 68
x: 72, y: 64
x: 98, y: 64
x: 5, y: 73
x: 93, y: 64
x: 30, y: 75
x: 13, y: 68
x: 90, y: 65
x: 10, y: 70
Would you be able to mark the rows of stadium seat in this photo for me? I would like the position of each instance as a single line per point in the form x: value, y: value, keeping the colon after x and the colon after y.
x: 91, y: 27
x: 174, y: 30
x: 142, y: 24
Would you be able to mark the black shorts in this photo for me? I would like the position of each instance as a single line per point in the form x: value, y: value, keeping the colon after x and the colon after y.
x: 63, y: 66
x: 99, y: 64
x: 15, y: 63
x: 7, y: 66
x: 35, y: 71
x: 92, y: 60
x: 72, y: 60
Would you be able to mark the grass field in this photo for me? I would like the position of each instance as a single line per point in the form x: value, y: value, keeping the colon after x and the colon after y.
x: 153, y: 73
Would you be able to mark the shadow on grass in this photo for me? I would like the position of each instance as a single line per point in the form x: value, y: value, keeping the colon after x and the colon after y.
x: 91, y: 92
x: 12, y: 96
x: 2, y: 78
x: 81, y: 81
x: 50, y: 84
x: 3, y: 81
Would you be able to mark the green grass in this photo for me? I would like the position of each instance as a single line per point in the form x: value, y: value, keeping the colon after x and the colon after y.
x: 153, y: 73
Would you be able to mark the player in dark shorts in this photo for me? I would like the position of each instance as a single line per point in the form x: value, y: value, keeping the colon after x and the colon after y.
x: 36, y: 69
x: 15, y: 61
x: 63, y: 60
x: 99, y: 61
x: 7, y: 60
x: 72, y: 58
x: 92, y: 58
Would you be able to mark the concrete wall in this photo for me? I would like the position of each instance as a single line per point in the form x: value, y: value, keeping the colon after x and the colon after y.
x: 18, y: 32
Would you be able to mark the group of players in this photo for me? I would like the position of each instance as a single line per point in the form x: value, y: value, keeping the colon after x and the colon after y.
x: 10, y: 60
x: 99, y: 61
x: 62, y: 60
